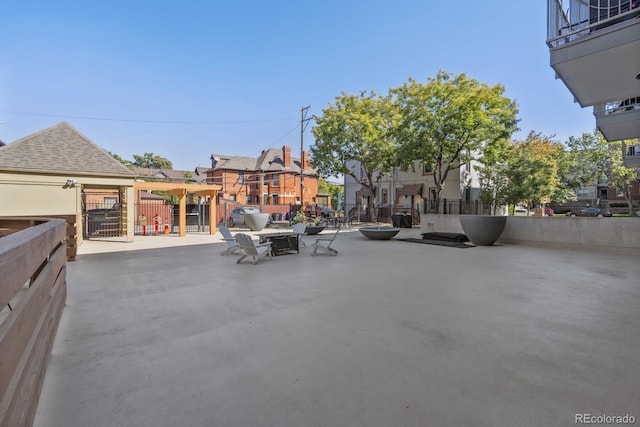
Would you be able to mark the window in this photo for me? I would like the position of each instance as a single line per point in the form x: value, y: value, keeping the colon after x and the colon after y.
x: 275, y: 199
x: 240, y: 178
x: 232, y: 197
x: 275, y: 179
x: 385, y: 196
x: 426, y: 168
x: 583, y: 193
x: 110, y: 201
x: 257, y: 199
x: 248, y: 200
x: 266, y: 199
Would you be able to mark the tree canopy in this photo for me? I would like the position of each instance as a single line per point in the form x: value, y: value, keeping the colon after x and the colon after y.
x: 147, y: 160
x: 355, y: 128
x: 448, y: 121
x: 152, y: 161
x: 619, y: 175
x: 127, y: 163
x: 493, y: 173
x: 587, y: 158
x: 334, y: 190
x: 534, y: 170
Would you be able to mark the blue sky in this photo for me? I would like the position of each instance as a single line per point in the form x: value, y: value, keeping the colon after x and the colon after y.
x: 185, y: 79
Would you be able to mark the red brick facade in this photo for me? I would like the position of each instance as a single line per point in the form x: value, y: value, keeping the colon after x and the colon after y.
x: 274, y: 177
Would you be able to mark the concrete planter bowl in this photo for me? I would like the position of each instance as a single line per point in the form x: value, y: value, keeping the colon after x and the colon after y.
x: 256, y: 221
x: 483, y: 230
x: 379, y: 233
x: 313, y: 229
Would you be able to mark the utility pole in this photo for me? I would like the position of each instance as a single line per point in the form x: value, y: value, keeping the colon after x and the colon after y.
x: 304, y: 121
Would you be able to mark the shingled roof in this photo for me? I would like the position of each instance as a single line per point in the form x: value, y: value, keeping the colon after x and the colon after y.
x: 60, y: 149
x: 269, y: 161
x: 170, y: 174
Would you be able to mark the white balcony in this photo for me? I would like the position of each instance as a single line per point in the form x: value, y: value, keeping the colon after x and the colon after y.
x: 619, y: 120
x: 594, y: 47
x: 631, y: 155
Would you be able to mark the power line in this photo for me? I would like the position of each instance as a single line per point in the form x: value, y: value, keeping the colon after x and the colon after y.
x: 110, y: 119
x: 276, y: 141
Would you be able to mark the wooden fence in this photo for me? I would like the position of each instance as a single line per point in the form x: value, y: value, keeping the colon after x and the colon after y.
x: 32, y: 295
x: 13, y: 224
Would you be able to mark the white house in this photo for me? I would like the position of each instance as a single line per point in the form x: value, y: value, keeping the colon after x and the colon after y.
x: 410, y: 191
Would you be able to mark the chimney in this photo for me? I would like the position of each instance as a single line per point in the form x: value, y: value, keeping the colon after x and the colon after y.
x: 286, y: 156
x: 305, y: 160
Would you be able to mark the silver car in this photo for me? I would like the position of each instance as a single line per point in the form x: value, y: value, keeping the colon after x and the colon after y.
x: 237, y: 215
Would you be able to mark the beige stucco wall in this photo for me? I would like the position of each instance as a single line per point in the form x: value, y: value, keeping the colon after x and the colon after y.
x: 35, y: 194
x: 22, y: 194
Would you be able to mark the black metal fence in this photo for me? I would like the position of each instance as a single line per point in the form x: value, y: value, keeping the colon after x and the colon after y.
x: 101, y: 220
x: 457, y: 207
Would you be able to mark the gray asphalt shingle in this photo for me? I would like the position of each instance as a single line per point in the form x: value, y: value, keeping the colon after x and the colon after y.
x: 60, y: 148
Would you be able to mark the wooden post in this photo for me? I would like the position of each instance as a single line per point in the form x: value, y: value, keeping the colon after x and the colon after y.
x: 183, y: 213
x: 212, y: 215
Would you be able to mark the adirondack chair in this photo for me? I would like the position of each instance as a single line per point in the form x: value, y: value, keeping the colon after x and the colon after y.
x: 323, y: 244
x: 299, y: 230
x: 232, y: 245
x: 257, y: 251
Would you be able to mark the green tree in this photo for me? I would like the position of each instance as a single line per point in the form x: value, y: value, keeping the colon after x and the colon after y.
x: 151, y: 161
x: 449, y: 121
x: 620, y: 177
x: 355, y: 128
x: 591, y: 157
x: 334, y: 190
x: 587, y: 159
x: 493, y: 173
x: 534, y: 170
x: 127, y: 163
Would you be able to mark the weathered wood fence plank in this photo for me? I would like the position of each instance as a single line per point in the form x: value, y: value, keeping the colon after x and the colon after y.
x: 33, y: 280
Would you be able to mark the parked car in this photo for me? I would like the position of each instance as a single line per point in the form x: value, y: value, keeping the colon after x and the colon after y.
x: 237, y: 215
x: 597, y: 212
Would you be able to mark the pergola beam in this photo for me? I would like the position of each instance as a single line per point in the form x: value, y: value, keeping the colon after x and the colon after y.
x: 181, y: 190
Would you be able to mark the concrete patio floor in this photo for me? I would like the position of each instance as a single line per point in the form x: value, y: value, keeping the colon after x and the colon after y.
x: 388, y: 333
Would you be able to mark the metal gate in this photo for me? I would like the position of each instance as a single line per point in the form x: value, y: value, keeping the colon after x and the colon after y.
x: 102, y: 220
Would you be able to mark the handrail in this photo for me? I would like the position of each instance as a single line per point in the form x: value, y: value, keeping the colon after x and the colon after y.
x: 616, y: 107
x: 32, y: 296
x: 581, y: 18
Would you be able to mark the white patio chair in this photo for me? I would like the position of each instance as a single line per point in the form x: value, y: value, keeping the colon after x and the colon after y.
x: 323, y: 244
x: 299, y: 230
x: 232, y: 245
x: 256, y: 251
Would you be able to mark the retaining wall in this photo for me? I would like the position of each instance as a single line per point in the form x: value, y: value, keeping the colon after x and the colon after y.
x: 623, y: 232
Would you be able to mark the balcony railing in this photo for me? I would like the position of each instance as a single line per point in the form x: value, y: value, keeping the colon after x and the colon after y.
x: 616, y: 107
x: 569, y: 20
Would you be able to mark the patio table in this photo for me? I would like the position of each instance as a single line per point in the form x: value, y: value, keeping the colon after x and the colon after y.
x: 281, y: 243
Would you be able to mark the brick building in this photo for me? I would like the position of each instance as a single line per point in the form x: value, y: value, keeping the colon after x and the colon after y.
x: 273, y: 178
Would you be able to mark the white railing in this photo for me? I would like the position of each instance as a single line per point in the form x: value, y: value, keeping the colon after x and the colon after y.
x: 616, y: 107
x: 568, y: 20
